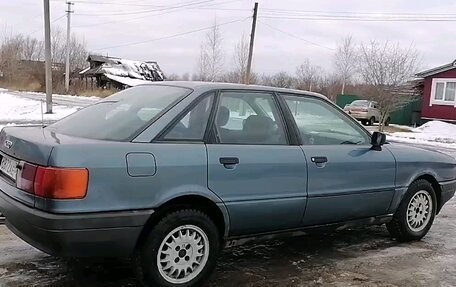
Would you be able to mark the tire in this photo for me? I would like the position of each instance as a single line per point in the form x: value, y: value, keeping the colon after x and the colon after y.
x: 180, y: 224
x: 364, y: 122
x: 402, y: 227
x: 371, y: 121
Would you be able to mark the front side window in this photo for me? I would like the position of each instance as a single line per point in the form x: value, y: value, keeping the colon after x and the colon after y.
x: 249, y: 118
x: 443, y: 91
x: 192, y: 126
x: 122, y: 115
x: 320, y: 123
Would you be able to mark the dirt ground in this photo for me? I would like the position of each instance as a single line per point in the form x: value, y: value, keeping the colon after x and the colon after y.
x: 363, y: 257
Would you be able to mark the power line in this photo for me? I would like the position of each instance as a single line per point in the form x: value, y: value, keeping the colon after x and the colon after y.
x: 287, y: 11
x: 358, y: 19
x: 130, y: 4
x: 52, y: 22
x: 149, y: 15
x: 295, y: 36
x: 171, y: 36
x: 146, y: 11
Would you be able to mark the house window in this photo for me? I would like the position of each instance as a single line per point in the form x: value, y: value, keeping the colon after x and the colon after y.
x: 443, y: 92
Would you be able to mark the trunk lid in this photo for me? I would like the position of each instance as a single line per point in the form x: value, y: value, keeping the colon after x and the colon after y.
x: 32, y: 144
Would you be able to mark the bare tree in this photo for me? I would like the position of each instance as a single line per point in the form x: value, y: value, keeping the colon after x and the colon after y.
x: 308, y: 76
x: 386, y: 68
x: 280, y: 80
x: 172, y: 77
x: 345, y: 60
x: 185, y: 77
x: 241, y: 57
x: 210, y: 62
x: 329, y: 85
x: 32, y: 49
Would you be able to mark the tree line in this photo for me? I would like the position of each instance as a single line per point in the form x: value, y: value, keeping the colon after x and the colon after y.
x: 16, y: 49
x: 374, y: 70
x: 379, y: 71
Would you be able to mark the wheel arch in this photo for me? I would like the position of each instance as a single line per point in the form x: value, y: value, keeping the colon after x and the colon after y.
x: 216, y: 211
x: 435, y: 185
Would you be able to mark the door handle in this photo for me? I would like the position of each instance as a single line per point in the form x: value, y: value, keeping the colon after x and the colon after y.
x: 229, y: 160
x: 319, y: 159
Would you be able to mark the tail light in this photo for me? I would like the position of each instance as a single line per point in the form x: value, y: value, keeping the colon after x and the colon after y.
x: 26, y: 177
x: 54, y: 183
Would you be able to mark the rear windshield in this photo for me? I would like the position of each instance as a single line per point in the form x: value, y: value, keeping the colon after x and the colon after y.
x: 120, y: 116
x: 360, y: 103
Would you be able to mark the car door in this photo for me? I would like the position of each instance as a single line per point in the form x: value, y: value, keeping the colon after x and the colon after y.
x: 346, y: 178
x: 375, y: 111
x: 252, y: 166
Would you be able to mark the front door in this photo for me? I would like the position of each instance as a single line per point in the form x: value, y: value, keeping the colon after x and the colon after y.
x: 260, y: 177
x: 347, y: 179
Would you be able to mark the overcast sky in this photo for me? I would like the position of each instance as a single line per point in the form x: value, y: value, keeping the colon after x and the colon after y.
x: 274, y: 50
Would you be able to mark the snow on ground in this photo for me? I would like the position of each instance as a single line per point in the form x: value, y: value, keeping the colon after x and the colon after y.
x: 83, y: 98
x: 18, y: 110
x: 432, y: 133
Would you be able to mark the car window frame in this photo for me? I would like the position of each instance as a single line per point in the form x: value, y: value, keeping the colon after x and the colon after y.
x: 293, y: 123
x: 289, y: 132
x: 160, y: 138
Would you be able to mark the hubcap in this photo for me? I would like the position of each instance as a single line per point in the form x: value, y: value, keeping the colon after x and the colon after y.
x: 183, y: 254
x: 419, y: 211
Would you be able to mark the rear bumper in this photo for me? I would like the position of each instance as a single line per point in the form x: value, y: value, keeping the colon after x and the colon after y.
x: 448, y: 189
x: 110, y: 234
x: 359, y: 115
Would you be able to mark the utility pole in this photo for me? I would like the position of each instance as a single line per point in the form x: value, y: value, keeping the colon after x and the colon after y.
x: 67, y: 64
x: 252, y: 40
x: 47, y: 47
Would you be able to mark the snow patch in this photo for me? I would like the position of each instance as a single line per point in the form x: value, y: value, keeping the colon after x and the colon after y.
x: 22, y: 110
x: 436, y: 133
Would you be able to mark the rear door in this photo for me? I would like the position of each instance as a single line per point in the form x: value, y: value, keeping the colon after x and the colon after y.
x: 347, y: 179
x: 252, y: 166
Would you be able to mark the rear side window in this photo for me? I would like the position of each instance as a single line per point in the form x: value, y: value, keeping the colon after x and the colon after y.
x: 192, y: 126
x: 122, y: 115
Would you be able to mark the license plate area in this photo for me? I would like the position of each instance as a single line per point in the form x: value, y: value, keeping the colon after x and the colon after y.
x: 8, y: 167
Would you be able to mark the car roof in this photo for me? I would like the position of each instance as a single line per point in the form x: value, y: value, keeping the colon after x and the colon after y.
x: 206, y: 86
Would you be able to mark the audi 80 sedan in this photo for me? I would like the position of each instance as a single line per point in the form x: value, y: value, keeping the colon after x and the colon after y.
x: 167, y: 173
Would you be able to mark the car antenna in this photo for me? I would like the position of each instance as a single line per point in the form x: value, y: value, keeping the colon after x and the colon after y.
x: 42, y: 114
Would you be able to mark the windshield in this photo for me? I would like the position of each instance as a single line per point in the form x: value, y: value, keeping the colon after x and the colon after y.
x: 122, y: 115
x: 360, y: 103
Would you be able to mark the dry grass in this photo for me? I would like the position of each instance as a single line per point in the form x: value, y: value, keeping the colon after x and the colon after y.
x: 101, y: 93
x: 58, y: 88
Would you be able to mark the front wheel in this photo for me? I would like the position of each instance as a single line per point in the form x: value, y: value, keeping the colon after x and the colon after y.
x: 181, y: 250
x: 415, y: 214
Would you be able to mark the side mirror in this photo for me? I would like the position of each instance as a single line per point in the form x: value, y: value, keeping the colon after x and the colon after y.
x: 378, y: 139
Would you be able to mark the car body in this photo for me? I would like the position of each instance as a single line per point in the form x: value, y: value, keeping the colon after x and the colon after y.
x: 164, y: 164
x: 365, y: 111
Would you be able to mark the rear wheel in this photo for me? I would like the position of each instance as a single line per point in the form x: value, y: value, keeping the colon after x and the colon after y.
x: 181, y: 250
x: 415, y: 214
x: 371, y: 121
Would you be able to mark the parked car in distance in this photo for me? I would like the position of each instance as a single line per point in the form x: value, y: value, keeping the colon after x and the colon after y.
x: 367, y: 112
x: 168, y: 173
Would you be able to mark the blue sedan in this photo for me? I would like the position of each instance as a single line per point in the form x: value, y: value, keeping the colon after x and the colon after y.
x: 169, y: 173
